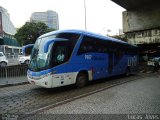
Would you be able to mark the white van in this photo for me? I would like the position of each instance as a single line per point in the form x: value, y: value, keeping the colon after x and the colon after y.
x: 3, y: 60
x: 24, y: 59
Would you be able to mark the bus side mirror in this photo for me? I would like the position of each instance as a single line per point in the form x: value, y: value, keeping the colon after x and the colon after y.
x: 46, y: 46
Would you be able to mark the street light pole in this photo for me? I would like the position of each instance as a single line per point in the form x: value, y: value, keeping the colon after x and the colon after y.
x: 85, y: 14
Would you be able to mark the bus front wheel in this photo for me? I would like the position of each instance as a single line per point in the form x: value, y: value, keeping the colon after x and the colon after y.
x: 81, y: 80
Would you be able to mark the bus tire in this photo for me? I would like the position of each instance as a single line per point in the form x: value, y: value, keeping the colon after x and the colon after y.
x: 81, y: 80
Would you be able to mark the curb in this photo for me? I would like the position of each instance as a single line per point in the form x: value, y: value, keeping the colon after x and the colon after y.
x: 13, y: 84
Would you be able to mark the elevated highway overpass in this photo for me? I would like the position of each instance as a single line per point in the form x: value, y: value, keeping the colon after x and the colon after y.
x: 133, y: 4
x: 141, y: 24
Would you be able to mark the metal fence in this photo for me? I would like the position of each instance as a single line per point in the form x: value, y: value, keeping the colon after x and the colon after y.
x: 13, y: 71
x: 12, y: 75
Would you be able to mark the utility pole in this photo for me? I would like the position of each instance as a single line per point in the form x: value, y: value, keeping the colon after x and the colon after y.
x: 85, y: 14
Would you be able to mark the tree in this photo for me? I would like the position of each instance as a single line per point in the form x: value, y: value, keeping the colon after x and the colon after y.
x: 29, y: 32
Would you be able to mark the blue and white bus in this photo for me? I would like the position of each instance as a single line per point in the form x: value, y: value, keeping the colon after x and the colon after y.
x: 67, y: 57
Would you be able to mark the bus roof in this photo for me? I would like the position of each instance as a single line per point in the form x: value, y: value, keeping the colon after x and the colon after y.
x: 86, y: 33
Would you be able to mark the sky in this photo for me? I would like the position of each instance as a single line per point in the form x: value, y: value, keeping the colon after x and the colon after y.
x: 101, y: 15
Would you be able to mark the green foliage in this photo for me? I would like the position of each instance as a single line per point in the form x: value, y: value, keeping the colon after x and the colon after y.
x: 29, y: 32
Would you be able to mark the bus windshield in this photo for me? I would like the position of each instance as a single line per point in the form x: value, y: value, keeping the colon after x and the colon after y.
x: 39, y: 58
x: 58, y: 52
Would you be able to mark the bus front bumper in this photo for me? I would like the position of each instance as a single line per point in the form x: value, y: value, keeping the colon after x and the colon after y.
x: 44, y: 82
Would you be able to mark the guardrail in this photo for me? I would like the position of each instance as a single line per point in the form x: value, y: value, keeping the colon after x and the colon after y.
x: 13, y: 71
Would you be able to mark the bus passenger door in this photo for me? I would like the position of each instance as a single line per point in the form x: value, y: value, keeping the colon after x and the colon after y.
x: 60, y: 56
x: 99, y: 65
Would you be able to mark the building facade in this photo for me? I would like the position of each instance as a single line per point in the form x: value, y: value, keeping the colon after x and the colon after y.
x: 6, y: 26
x: 50, y: 18
x: 8, y: 44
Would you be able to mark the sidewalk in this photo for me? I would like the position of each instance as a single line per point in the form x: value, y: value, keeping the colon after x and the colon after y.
x: 4, y: 82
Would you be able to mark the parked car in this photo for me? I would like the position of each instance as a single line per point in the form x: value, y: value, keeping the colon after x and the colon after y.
x: 24, y: 59
x: 3, y: 60
x: 152, y: 61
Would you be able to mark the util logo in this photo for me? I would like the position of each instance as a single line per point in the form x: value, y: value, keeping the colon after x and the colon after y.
x: 88, y: 57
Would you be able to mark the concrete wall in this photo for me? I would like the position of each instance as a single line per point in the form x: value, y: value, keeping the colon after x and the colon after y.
x: 144, y: 37
x: 147, y: 17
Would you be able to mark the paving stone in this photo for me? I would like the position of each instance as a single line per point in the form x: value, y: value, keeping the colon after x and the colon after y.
x: 29, y: 97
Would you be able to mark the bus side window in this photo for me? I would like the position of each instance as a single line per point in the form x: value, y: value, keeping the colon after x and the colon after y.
x: 86, y: 46
x: 60, y: 54
x: 92, y: 44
